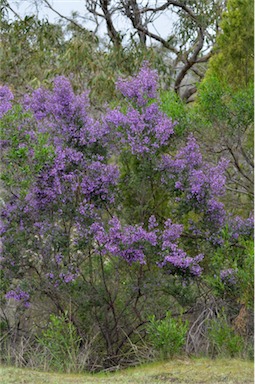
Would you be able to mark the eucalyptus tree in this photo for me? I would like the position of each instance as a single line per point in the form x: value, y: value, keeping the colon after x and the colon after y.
x: 186, y: 46
x: 189, y: 40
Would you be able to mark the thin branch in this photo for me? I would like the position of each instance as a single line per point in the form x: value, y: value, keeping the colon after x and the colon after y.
x: 157, y: 38
x: 238, y: 165
x: 62, y: 16
x: 132, y: 12
x: 205, y: 58
x: 198, y: 73
x: 7, y: 5
x: 239, y: 191
x: 174, y: 3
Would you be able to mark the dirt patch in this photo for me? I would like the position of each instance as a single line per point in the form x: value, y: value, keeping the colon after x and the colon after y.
x: 166, y: 377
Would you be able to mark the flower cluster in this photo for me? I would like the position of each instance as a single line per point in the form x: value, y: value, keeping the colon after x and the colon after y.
x: 19, y: 295
x: 140, y: 88
x: 197, y: 178
x: 197, y: 183
x: 135, y: 244
x: 241, y: 227
x: 175, y: 256
x: 5, y: 100
x: 65, y: 115
x: 71, y: 173
x: 228, y: 276
x: 145, y: 129
x: 128, y: 242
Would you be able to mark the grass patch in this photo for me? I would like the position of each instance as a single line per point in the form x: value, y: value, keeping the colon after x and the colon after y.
x: 193, y: 371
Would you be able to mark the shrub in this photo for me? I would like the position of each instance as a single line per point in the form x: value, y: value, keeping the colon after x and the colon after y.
x: 167, y: 335
x: 224, y: 341
x: 62, y: 342
x: 107, y: 211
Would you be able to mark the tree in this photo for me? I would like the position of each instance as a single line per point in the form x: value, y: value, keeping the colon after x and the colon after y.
x: 66, y: 49
x: 189, y: 41
x: 38, y: 40
x: 189, y: 44
x: 233, y: 60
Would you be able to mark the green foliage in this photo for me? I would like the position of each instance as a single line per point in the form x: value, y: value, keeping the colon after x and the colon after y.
x: 239, y: 258
x: 225, y: 127
x: 19, y: 170
x: 29, y: 51
x: 168, y: 335
x: 219, y: 103
x: 142, y: 190
x: 62, y: 342
x: 246, y: 275
x: 174, y: 107
x: 233, y: 62
x: 58, y: 49
x: 223, y: 338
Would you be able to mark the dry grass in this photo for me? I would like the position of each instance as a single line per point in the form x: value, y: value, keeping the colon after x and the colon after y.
x: 193, y: 371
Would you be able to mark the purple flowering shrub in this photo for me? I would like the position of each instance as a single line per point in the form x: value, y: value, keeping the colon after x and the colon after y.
x: 63, y: 153
x: 94, y: 208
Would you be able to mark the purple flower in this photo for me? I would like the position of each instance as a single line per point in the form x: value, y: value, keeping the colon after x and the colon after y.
x: 141, y: 87
x: 241, y: 227
x: 58, y: 258
x: 143, y: 128
x: 50, y: 275
x: 152, y: 222
x: 19, y: 295
x: 70, y: 276
x: 128, y: 242
x: 5, y: 100
x: 179, y: 260
x: 228, y: 276
x: 171, y: 233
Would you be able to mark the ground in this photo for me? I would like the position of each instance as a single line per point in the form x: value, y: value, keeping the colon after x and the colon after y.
x: 182, y: 371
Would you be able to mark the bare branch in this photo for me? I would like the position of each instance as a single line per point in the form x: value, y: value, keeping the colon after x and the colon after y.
x: 174, y: 3
x: 158, y: 38
x: 240, y: 191
x: 63, y: 17
x: 198, y: 72
x: 204, y: 58
x: 112, y: 32
x: 131, y: 9
x: 7, y: 5
x: 237, y: 165
x: 191, y: 61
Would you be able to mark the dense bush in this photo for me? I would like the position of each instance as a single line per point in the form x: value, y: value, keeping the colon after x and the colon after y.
x: 108, y: 215
x: 167, y: 335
